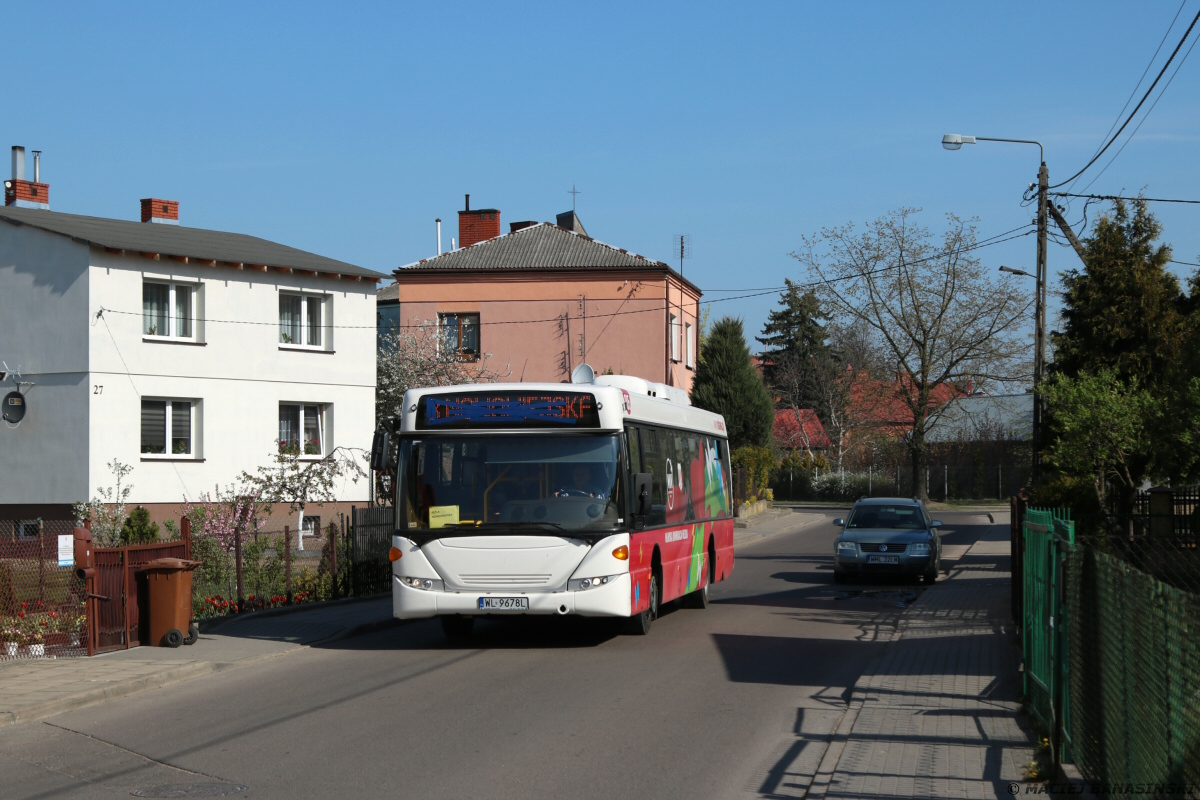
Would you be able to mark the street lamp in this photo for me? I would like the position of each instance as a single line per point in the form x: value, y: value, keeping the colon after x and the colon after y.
x: 955, y: 141
x: 1022, y: 272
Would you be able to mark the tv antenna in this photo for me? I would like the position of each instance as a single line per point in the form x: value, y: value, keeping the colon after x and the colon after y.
x: 684, y: 243
x: 573, y: 193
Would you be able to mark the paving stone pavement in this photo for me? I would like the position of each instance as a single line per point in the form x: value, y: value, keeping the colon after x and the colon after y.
x: 37, y: 688
x: 938, y: 715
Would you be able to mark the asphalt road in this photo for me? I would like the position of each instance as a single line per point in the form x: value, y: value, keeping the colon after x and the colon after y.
x: 731, y: 701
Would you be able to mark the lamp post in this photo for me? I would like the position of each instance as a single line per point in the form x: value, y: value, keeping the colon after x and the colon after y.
x: 954, y: 141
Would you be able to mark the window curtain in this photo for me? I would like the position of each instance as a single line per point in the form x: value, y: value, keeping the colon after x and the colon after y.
x: 314, y: 305
x: 183, y: 311
x: 289, y: 319
x: 289, y: 428
x: 155, y: 299
x: 470, y: 335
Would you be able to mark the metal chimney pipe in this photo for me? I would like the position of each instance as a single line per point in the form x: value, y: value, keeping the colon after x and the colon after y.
x: 18, y: 163
x: 439, y: 235
x: 467, y: 203
x: 37, y: 166
x: 453, y: 243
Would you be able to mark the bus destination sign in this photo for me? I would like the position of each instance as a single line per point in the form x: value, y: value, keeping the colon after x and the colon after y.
x: 508, y: 410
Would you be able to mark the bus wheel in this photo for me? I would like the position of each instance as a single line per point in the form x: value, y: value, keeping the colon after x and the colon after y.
x: 640, y: 625
x: 457, y: 627
x: 698, y: 598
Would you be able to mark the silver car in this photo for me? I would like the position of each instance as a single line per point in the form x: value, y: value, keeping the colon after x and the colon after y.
x: 887, y: 536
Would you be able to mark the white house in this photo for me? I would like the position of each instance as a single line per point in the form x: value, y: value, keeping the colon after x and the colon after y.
x: 189, y: 354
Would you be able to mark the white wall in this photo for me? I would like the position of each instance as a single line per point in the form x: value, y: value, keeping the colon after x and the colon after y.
x: 44, y: 329
x: 240, y: 373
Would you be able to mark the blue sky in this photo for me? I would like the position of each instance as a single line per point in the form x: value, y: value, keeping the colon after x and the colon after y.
x: 347, y: 130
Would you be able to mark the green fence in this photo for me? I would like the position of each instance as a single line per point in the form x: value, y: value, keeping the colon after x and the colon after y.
x: 1135, y: 666
x: 1112, y: 658
x: 1048, y: 539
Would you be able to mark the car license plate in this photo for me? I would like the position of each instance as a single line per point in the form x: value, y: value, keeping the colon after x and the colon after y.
x: 883, y: 559
x: 504, y: 604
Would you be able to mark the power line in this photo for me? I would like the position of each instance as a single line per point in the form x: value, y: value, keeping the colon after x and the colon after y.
x: 1145, y: 117
x: 1138, y: 107
x: 658, y: 308
x: 1149, y: 64
x: 1121, y: 197
x: 1184, y: 263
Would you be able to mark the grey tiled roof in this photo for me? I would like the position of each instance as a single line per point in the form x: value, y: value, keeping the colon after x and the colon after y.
x: 541, y: 247
x: 389, y: 292
x: 176, y: 240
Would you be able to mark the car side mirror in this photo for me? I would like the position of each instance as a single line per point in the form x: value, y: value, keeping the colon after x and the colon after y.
x: 841, y: 523
x: 937, y: 523
x: 643, y: 482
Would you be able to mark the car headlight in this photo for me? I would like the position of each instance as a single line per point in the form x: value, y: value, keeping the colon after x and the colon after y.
x: 579, y: 584
x: 428, y: 584
x: 919, y: 549
x: 846, y: 547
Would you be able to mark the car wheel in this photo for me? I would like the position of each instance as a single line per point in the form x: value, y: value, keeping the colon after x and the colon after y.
x: 930, y: 575
x: 839, y: 577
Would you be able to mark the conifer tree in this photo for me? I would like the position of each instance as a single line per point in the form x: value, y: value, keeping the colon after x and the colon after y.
x: 727, y: 383
x: 793, y: 333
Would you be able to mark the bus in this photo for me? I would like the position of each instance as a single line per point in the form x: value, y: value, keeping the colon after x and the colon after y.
x: 600, y: 499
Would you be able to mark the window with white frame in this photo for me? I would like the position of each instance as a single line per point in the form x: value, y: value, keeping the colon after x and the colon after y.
x: 673, y: 332
x: 302, y: 320
x: 688, y: 348
x: 168, y: 310
x: 168, y: 427
x: 302, y: 429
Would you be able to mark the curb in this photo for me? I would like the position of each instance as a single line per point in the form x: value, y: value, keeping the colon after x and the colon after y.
x: 745, y: 536
x: 210, y: 623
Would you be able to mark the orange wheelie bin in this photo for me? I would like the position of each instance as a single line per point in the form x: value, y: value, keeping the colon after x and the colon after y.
x: 169, y: 601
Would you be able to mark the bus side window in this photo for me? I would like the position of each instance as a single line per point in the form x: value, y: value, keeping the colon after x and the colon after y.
x: 654, y: 462
x: 635, y: 450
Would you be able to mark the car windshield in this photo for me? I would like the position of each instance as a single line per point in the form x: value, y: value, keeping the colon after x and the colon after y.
x: 515, y: 482
x: 881, y: 516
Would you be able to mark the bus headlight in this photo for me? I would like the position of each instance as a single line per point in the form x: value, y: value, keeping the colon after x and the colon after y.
x: 590, y: 583
x: 428, y: 584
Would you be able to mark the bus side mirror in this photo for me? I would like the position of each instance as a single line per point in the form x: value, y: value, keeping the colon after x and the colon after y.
x: 381, y: 447
x: 642, y: 484
x: 84, y: 568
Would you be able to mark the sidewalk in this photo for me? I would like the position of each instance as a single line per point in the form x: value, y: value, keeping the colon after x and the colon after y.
x: 938, y: 714
x: 771, y: 523
x: 32, y: 689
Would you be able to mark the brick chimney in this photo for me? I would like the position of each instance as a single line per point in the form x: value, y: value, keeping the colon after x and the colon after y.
x: 477, y: 226
x: 165, y: 212
x: 22, y: 193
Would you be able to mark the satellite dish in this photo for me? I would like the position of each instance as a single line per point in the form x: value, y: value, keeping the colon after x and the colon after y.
x: 13, y: 407
x: 582, y: 374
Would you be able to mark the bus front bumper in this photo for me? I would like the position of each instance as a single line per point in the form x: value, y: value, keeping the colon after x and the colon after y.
x: 609, y: 600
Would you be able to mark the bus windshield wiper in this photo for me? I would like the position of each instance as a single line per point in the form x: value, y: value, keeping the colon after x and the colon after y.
x: 554, y: 526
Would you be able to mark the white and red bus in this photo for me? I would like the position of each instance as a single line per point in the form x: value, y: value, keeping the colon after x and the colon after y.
x: 603, y: 499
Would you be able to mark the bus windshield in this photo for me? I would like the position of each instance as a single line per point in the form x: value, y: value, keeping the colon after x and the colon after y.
x: 569, y: 483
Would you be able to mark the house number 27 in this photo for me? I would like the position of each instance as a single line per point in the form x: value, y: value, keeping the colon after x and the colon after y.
x: 96, y: 389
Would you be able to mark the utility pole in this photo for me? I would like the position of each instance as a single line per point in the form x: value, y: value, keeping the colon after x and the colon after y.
x: 1039, y: 356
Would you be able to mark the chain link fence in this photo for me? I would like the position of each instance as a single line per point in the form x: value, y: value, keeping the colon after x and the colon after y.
x: 1134, y: 669
x: 42, y: 604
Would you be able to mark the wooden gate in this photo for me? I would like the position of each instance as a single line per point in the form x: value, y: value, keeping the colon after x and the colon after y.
x: 115, y: 590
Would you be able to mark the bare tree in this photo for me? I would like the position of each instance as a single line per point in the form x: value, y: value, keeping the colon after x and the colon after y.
x: 928, y: 305
x: 417, y: 357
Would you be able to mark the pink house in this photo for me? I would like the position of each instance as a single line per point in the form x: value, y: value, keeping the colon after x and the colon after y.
x: 545, y: 297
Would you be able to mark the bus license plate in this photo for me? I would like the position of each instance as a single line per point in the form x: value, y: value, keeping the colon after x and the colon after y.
x: 504, y: 604
x: 883, y: 559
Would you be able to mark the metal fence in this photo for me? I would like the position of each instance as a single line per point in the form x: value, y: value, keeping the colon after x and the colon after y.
x: 1112, y: 659
x: 371, y: 571
x: 42, y: 605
